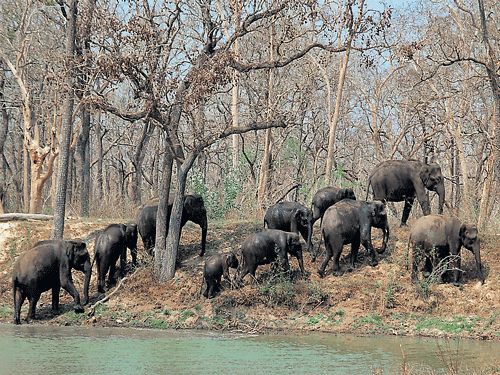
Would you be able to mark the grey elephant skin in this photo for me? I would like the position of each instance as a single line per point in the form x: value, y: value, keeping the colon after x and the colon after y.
x: 281, y: 215
x: 48, y: 266
x: 111, y: 244
x: 215, y: 267
x: 194, y: 210
x: 350, y: 222
x: 268, y: 246
x: 432, y: 238
x: 403, y: 180
x: 327, y: 197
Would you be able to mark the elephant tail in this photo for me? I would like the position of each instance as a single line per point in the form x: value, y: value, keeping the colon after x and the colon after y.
x: 368, y: 188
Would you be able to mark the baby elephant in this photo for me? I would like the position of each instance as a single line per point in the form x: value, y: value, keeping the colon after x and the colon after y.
x: 268, y: 246
x: 434, y: 237
x: 215, y: 267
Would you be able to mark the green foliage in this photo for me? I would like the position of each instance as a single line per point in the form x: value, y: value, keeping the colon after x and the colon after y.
x: 316, y: 294
x: 314, y: 319
x: 6, y: 311
x: 156, y: 323
x: 278, y: 287
x: 457, y: 324
x: 217, y: 201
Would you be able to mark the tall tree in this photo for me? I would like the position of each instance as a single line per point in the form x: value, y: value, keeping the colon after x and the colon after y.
x: 67, y: 124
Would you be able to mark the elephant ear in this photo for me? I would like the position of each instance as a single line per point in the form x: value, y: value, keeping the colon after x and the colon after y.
x: 425, y: 173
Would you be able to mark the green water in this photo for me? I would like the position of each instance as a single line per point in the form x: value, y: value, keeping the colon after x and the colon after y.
x: 31, y: 349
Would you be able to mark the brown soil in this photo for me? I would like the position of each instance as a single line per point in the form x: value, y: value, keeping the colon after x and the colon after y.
x: 364, y: 300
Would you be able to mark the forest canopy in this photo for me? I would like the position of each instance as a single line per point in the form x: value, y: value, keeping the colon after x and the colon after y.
x: 242, y: 102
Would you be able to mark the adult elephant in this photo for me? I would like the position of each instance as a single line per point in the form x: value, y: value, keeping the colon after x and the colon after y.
x: 351, y: 222
x: 281, y: 216
x: 268, y: 246
x: 215, y: 267
x: 402, y: 180
x: 48, y: 266
x: 327, y: 197
x: 194, y: 210
x: 433, y: 238
x: 111, y: 244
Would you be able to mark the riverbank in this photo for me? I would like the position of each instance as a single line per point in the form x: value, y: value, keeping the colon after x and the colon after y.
x: 379, y: 300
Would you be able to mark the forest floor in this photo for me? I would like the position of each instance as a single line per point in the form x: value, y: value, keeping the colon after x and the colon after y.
x: 366, y: 300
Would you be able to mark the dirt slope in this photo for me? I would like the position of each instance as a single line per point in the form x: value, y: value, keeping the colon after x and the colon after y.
x: 364, y: 300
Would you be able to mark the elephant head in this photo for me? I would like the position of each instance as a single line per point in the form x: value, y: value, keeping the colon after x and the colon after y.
x: 378, y: 214
x: 349, y: 194
x: 79, y: 259
x: 469, y: 239
x: 195, y: 211
x: 304, y: 217
x: 232, y: 260
x: 432, y: 178
x: 131, y: 236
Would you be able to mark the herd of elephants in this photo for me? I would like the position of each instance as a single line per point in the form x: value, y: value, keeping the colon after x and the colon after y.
x: 344, y: 220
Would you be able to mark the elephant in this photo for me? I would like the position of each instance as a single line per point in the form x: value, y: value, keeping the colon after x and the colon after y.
x: 327, y: 197
x: 351, y: 221
x: 215, y: 267
x: 111, y: 244
x: 194, y: 210
x: 265, y: 247
x: 434, y: 237
x: 280, y: 216
x: 47, y: 266
x: 402, y: 180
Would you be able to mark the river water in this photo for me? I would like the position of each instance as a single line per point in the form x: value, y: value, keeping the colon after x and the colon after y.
x: 32, y: 349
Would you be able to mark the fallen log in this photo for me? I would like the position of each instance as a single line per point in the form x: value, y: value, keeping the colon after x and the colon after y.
x: 17, y: 216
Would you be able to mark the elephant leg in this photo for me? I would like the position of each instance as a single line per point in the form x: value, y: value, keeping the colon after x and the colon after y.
x: 326, y: 259
x: 133, y: 252
x: 111, y: 274
x: 102, y: 268
x: 415, y: 262
x: 19, y: 298
x: 457, y: 272
x: 356, y: 242
x: 33, y: 300
x: 428, y: 267
x: 123, y: 261
x: 406, y: 210
x: 55, y: 299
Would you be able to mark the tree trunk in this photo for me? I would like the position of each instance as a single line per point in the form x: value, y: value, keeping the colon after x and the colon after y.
x: 83, y: 163
x: 4, y: 123
x: 266, y: 167
x: 161, y: 218
x: 335, y: 120
x: 65, y: 137
x: 484, y: 208
x: 174, y: 231
x: 99, y: 179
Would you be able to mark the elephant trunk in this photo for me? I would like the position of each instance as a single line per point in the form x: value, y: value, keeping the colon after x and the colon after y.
x: 386, y: 238
x: 203, y: 226
x: 309, y: 236
x: 88, y: 274
x: 477, y: 254
x: 441, y: 193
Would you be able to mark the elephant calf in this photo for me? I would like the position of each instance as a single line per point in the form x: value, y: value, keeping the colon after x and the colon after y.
x: 215, y: 267
x: 48, y: 266
x: 432, y: 238
x: 110, y: 245
x: 265, y: 247
x: 350, y: 221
